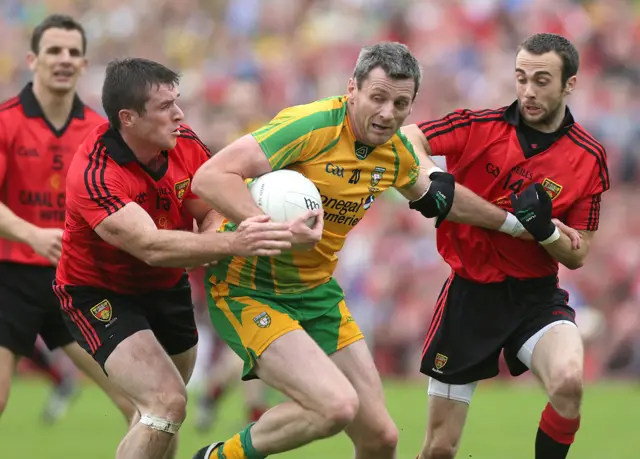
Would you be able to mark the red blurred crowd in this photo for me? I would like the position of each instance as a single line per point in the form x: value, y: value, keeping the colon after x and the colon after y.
x: 244, y: 60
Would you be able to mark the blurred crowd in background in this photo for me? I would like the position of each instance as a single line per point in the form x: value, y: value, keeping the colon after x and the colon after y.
x: 244, y: 60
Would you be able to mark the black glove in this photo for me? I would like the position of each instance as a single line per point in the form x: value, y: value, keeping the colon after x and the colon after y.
x: 533, y: 209
x: 438, y: 199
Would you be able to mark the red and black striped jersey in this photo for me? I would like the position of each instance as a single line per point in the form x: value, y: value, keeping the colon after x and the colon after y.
x: 488, y: 152
x: 34, y: 158
x: 105, y: 176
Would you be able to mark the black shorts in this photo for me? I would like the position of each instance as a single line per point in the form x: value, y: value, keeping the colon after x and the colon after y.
x: 100, y: 319
x: 29, y: 308
x: 472, y: 323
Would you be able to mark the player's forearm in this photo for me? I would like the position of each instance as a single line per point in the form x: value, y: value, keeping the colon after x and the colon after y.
x: 210, y: 222
x: 227, y: 193
x: 471, y: 209
x: 562, y: 251
x: 13, y: 227
x: 181, y: 249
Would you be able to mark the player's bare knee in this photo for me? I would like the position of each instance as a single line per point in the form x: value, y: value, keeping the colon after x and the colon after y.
x: 382, y: 438
x: 565, y: 388
x: 339, y: 412
x: 170, y: 405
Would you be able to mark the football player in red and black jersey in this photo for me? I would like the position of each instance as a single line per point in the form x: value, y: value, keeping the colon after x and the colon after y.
x: 128, y: 237
x: 40, y: 130
x: 533, y: 159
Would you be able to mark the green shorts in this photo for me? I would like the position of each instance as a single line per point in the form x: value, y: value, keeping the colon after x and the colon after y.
x: 249, y: 320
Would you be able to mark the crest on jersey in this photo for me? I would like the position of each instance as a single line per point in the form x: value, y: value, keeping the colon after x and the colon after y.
x: 262, y: 320
x: 181, y: 188
x: 553, y: 189
x: 102, y: 311
x: 441, y: 361
x: 376, y: 175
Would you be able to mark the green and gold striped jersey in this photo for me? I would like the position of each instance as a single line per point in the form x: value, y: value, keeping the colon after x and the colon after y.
x: 317, y: 140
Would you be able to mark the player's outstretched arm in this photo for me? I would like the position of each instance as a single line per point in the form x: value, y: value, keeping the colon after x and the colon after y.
x: 220, y: 182
x: 435, y: 194
x: 131, y: 229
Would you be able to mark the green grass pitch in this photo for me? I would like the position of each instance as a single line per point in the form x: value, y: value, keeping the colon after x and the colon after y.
x: 502, y: 424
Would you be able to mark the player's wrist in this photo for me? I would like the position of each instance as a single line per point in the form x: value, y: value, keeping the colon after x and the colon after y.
x: 512, y: 226
x: 555, y: 235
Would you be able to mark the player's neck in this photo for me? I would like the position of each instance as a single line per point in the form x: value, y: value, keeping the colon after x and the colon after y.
x: 56, y: 107
x: 141, y: 149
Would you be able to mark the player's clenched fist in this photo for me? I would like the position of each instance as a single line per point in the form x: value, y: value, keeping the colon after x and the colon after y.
x: 257, y: 236
x: 533, y: 209
x: 438, y: 199
x: 304, y: 236
x: 47, y: 242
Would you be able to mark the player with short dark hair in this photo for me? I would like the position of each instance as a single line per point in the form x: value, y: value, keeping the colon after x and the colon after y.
x: 128, y: 237
x: 40, y: 130
x: 533, y: 158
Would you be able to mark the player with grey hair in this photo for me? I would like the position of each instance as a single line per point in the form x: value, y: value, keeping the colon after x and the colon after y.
x: 286, y: 316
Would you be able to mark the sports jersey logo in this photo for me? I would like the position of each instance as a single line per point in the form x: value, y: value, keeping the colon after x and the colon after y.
x: 553, y: 189
x: 362, y: 151
x: 181, y: 188
x: 376, y: 176
x: 441, y: 361
x: 102, y: 311
x: 334, y: 170
x: 262, y: 320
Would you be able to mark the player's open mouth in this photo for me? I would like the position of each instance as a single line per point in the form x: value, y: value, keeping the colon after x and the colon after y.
x: 532, y: 110
x: 379, y: 128
x: 176, y: 131
x: 63, y: 73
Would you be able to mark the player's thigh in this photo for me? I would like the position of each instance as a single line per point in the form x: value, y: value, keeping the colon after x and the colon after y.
x: 447, y: 415
x: 142, y: 368
x: 92, y: 369
x: 295, y: 365
x: 373, y: 425
x: 171, y: 316
x: 249, y: 325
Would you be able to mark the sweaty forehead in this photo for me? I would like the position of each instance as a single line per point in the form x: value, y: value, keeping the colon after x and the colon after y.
x: 379, y: 81
x: 532, y: 63
x: 61, y: 38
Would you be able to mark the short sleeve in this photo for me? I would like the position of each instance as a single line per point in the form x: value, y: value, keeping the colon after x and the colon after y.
x: 584, y: 214
x: 298, y: 134
x: 99, y: 191
x: 408, y: 163
x: 198, y: 154
x: 4, y: 151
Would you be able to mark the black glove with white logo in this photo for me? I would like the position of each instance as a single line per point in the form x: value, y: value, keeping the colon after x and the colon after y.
x: 438, y: 199
x: 533, y: 209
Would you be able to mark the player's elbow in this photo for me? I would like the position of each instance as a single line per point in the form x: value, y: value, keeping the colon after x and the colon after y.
x: 574, y: 263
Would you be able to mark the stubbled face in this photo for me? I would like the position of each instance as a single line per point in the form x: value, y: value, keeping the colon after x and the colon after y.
x: 380, y: 107
x: 541, y: 95
x: 159, y: 124
x: 60, y: 60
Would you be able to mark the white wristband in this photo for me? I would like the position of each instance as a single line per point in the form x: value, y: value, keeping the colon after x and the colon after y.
x: 553, y: 238
x: 512, y: 226
x: 432, y: 170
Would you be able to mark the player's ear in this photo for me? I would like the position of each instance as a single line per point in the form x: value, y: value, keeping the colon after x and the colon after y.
x: 570, y: 85
x: 351, y: 87
x: 32, y: 61
x: 127, y: 118
x: 83, y: 66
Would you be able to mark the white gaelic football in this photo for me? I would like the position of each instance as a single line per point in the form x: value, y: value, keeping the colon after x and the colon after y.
x: 285, y: 194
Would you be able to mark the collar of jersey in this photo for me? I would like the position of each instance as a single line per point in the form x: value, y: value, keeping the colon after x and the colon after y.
x: 117, y: 148
x: 33, y: 109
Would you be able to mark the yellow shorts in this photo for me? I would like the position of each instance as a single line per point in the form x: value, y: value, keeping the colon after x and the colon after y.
x: 249, y: 321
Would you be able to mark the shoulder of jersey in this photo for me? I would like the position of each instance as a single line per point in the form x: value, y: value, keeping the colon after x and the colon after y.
x: 334, y: 107
x: 93, y: 116
x: 586, y: 141
x: 189, y: 138
x: 8, y: 107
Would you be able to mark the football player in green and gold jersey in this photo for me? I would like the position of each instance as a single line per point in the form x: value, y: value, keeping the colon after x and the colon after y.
x: 286, y: 316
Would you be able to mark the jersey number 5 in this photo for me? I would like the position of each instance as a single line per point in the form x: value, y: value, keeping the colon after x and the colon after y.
x: 57, y: 164
x: 514, y: 186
